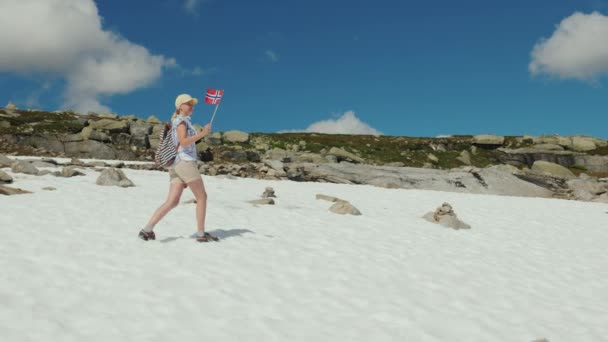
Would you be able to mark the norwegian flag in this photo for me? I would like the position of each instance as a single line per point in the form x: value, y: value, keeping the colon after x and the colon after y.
x: 214, y: 96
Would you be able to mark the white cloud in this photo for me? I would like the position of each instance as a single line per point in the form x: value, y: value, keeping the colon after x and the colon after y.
x: 272, y: 56
x: 348, y: 123
x: 577, y: 49
x: 65, y: 38
x: 191, y: 6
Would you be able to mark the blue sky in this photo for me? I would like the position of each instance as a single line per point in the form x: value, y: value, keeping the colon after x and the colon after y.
x: 415, y: 68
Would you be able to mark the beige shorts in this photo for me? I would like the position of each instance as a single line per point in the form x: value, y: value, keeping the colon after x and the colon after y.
x: 185, y: 171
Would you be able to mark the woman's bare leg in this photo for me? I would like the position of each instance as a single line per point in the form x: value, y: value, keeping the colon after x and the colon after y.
x: 198, y: 190
x: 175, y: 192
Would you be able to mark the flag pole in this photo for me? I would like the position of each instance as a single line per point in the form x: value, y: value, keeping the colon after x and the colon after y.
x: 216, y: 107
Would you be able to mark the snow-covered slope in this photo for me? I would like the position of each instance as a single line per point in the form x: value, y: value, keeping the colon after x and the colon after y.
x: 73, y: 269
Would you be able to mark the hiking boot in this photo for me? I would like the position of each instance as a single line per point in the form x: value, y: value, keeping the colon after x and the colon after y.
x: 206, y: 238
x: 146, y: 236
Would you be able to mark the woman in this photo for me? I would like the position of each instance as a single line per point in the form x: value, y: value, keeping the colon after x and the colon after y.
x: 184, y: 172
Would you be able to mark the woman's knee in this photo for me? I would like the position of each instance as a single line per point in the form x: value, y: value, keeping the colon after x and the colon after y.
x: 202, y: 196
x: 172, y: 203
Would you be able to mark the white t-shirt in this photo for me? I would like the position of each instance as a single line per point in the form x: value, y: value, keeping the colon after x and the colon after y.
x: 187, y: 152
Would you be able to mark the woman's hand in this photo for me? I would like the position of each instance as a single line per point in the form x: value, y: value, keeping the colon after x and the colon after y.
x: 205, y: 130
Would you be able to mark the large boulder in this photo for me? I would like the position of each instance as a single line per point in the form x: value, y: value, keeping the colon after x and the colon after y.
x: 583, y: 144
x: 140, y: 141
x: 551, y: 169
x: 100, y: 136
x: 47, y: 142
x: 109, y: 125
x: 140, y: 129
x: 24, y: 167
x: 114, y: 177
x: 5, y: 178
x: 586, y: 188
x: 214, y: 138
x: 236, y: 136
x: 592, y: 163
x: 342, y: 154
x: 486, y: 139
x: 89, y: 149
x: 5, y: 161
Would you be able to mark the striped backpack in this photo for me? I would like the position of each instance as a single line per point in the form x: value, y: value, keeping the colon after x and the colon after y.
x: 167, y: 148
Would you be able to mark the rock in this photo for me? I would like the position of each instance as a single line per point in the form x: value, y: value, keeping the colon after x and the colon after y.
x: 73, y: 137
x: 49, y: 143
x: 113, y: 177
x: 5, y: 178
x: 269, y: 192
x: 214, y: 138
x: 586, y: 188
x: 69, y: 171
x: 108, y: 116
x: 262, y: 201
x: 551, y: 139
x: 433, y: 158
x: 395, y: 164
x: 505, y: 168
x: 101, y: 136
x: 24, y: 167
x: 44, y: 172
x: 600, y: 142
x: 278, y: 154
x: 342, y: 154
x: 140, y: 142
x: 5, y: 161
x: 331, y: 158
x: 190, y: 201
x: 140, y: 129
x: 446, y: 217
x: 8, y: 191
x: 236, y: 136
x: 4, y: 124
x: 344, y: 207
x: 549, y: 147
x: 49, y: 188
x: 154, y: 143
x: 201, y: 147
x: 276, y: 165
x: 39, y: 163
x: 551, y: 169
x: 590, y: 163
x: 310, y: 158
x: 89, y: 149
x: 86, y: 132
x: 465, y: 157
x: 527, y: 156
x: 121, y: 138
x: 112, y: 126
x: 485, y: 139
x: 327, y: 198
x: 153, y: 120
x: 583, y: 144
